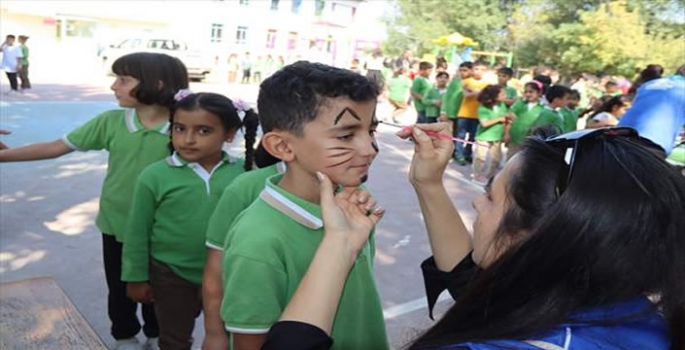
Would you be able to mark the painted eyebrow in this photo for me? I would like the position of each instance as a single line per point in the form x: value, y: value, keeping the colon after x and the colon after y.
x: 488, y: 186
x: 342, y: 114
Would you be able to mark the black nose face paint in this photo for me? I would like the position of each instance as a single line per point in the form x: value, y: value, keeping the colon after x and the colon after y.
x: 374, y: 144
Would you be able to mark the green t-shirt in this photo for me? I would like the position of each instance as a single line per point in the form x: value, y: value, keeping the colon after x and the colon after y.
x: 398, y: 87
x: 493, y: 132
x: 262, y: 271
x: 526, y: 114
x: 570, y: 119
x: 420, y: 86
x: 25, y: 55
x: 236, y: 197
x: 510, y: 92
x: 432, y: 95
x: 132, y: 147
x: 549, y: 117
x: 451, y: 100
x: 172, y: 203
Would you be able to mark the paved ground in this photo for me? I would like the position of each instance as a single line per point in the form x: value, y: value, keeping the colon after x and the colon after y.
x: 48, y: 207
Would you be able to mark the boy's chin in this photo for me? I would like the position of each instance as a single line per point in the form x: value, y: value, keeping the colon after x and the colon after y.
x: 351, y: 182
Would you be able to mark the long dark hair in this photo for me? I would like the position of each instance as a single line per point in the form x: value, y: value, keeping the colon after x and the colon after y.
x: 225, y: 109
x: 605, y: 239
x: 614, y: 101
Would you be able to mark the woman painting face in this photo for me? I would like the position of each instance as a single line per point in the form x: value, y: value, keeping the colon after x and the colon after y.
x: 490, y: 208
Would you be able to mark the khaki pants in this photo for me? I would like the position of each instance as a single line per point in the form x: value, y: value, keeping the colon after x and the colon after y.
x: 491, y: 155
x: 178, y: 303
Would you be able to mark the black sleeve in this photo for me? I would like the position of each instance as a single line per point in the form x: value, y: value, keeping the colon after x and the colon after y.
x: 292, y: 335
x: 436, y: 281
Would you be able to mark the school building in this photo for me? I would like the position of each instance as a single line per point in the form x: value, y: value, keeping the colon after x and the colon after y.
x: 329, y: 31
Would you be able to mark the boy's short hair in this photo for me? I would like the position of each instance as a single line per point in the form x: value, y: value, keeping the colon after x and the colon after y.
x: 506, y: 71
x: 441, y: 74
x: 575, y: 94
x: 466, y: 64
x: 488, y: 96
x: 425, y: 65
x: 611, y: 83
x: 150, y: 69
x: 290, y: 98
x: 480, y: 63
x: 556, y: 91
x: 11, y: 36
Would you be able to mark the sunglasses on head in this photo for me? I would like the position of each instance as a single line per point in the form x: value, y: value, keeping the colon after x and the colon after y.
x: 573, y: 139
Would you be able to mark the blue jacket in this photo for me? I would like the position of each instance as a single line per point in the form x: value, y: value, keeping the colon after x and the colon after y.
x: 644, y: 328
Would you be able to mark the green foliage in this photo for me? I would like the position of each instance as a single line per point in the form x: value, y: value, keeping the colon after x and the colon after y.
x: 608, y: 36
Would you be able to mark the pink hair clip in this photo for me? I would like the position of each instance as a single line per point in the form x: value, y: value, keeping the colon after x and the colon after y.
x: 181, y: 94
x: 242, y: 107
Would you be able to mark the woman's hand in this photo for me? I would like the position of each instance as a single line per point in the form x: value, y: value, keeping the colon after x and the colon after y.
x: 431, y: 155
x: 348, y: 216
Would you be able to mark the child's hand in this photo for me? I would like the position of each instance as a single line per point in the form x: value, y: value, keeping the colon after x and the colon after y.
x: 431, y: 155
x: 437, y: 103
x: 507, y: 139
x: 510, y: 117
x: 443, y: 117
x: 348, y: 215
x: 140, y: 292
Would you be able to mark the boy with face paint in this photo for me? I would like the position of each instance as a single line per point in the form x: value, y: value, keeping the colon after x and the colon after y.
x: 321, y: 119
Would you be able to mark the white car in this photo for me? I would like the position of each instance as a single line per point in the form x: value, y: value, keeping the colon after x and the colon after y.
x: 198, y: 65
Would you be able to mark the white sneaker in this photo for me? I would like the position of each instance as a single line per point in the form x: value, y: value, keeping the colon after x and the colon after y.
x: 151, y: 344
x: 128, y: 344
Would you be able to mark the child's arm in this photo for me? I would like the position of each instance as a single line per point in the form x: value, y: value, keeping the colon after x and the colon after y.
x: 485, y: 117
x: 449, y: 238
x: 135, y: 258
x: 212, y: 295
x: 36, y: 151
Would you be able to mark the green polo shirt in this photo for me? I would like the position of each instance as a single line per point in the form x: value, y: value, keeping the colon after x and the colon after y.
x: 433, y: 94
x: 132, y: 147
x: 236, y: 197
x: 262, y: 271
x: 570, y: 119
x: 398, y: 88
x: 493, y: 132
x: 549, y: 116
x: 420, y: 85
x: 510, y: 92
x: 451, y: 100
x: 25, y: 55
x: 172, y: 203
x: 526, y: 114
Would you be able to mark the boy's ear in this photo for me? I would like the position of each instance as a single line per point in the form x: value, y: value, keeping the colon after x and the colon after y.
x: 276, y: 143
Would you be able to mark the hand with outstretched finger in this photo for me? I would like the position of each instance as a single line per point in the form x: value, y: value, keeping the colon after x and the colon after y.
x: 431, y: 154
x: 348, y: 215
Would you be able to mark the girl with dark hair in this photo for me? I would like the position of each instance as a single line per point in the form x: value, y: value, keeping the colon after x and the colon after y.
x: 164, y: 247
x: 135, y: 136
x: 651, y: 72
x: 490, y: 132
x: 609, y: 112
x: 554, y: 263
x: 524, y: 113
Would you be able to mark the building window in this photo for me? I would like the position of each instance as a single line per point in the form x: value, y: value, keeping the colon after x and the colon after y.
x: 274, y: 5
x: 296, y: 6
x: 244, y: 2
x: 271, y: 38
x: 319, y: 5
x: 292, y: 40
x: 241, y: 35
x: 217, y: 32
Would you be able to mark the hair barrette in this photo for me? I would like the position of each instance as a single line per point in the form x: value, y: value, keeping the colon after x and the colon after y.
x: 181, y: 94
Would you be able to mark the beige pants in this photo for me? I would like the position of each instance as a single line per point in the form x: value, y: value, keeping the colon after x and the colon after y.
x: 492, y: 155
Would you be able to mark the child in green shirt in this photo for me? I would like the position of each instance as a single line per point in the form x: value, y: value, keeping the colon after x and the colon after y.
x: 135, y: 137
x: 419, y: 88
x: 504, y: 75
x: 557, y: 98
x: 164, y: 247
x: 433, y: 98
x: 490, y: 132
x: 524, y: 113
x: 398, y: 90
x: 321, y: 119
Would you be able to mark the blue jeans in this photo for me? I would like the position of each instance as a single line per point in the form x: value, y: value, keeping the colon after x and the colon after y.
x: 421, y: 117
x: 465, y: 126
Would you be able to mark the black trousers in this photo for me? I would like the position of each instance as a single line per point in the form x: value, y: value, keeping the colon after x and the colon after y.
x: 121, y: 309
x: 12, y: 77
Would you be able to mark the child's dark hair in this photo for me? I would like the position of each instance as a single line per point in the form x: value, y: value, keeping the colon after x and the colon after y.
x: 506, y: 71
x: 442, y: 74
x: 609, y: 104
x: 545, y: 80
x: 556, y: 91
x: 151, y: 69
x: 399, y: 72
x: 11, y: 36
x: 425, y: 65
x: 536, y: 85
x: 488, y: 96
x: 291, y: 97
x: 466, y: 64
x: 227, y: 111
x: 610, y: 83
x: 575, y: 94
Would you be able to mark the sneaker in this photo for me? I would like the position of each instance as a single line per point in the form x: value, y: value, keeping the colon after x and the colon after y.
x: 469, y: 160
x: 128, y: 344
x: 151, y: 344
x: 460, y: 160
